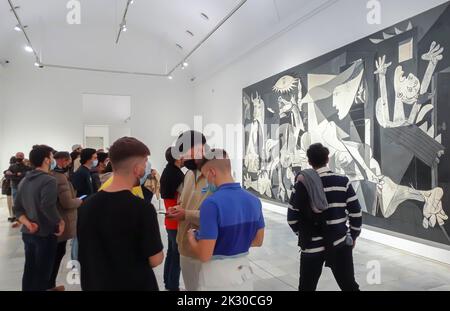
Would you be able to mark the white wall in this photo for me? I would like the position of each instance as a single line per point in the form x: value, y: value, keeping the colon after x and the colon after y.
x: 45, y: 106
x: 2, y: 90
x: 97, y: 131
x: 218, y: 98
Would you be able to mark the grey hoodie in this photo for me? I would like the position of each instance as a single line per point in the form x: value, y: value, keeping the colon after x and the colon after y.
x: 36, y: 199
x: 314, y: 187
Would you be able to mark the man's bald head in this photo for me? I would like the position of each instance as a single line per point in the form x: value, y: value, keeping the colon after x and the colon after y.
x: 216, y: 160
x: 20, y: 155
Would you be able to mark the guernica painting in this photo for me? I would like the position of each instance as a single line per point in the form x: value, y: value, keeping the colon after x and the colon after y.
x: 382, y: 107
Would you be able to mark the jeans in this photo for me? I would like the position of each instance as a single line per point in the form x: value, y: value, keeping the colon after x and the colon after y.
x: 74, y: 249
x: 60, y: 252
x: 172, y: 263
x: 13, y: 194
x: 341, y: 265
x: 40, y: 255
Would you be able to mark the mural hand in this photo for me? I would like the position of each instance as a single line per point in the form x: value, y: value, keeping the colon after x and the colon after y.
x: 434, y: 55
x: 382, y: 66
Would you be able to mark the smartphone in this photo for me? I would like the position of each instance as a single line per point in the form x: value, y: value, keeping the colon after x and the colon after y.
x: 83, y: 197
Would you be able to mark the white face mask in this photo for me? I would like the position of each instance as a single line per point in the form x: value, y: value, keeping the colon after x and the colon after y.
x: 147, y: 172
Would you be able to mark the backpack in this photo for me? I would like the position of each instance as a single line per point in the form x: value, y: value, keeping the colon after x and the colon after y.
x: 310, y: 224
x: 6, y: 186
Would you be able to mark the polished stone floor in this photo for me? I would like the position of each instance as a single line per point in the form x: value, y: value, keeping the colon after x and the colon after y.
x: 276, y: 264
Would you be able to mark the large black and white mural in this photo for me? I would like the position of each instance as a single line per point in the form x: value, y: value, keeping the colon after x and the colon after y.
x: 381, y: 105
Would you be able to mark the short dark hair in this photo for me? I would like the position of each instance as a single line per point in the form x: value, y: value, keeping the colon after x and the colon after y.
x: 39, y: 153
x: 108, y: 168
x: 62, y: 155
x: 169, y: 156
x: 12, y: 160
x: 102, y: 156
x: 318, y: 155
x: 86, y: 155
x: 74, y: 155
x: 126, y: 148
x: 189, y: 139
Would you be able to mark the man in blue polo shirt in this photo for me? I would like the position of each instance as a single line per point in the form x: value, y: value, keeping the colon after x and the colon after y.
x: 231, y: 221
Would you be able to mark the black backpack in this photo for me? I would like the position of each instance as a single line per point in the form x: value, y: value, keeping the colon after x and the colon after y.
x: 6, y: 186
x: 310, y: 224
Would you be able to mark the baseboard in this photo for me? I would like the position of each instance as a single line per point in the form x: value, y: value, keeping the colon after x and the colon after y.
x: 415, y: 246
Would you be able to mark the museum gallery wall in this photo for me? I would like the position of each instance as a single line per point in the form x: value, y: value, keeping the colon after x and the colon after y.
x: 381, y: 105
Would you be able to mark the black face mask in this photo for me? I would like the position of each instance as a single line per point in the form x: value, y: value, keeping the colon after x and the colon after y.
x: 61, y: 170
x: 190, y: 165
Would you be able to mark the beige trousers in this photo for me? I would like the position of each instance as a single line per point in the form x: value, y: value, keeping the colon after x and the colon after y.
x: 9, y: 201
x: 190, y: 269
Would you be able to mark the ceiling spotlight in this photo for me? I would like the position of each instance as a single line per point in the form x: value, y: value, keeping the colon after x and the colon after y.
x: 29, y: 49
x: 170, y: 77
x: 131, y: 1
x: 185, y: 64
x: 36, y: 64
x: 18, y: 28
x: 123, y: 26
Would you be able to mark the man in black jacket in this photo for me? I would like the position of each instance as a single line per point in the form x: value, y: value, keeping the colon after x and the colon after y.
x: 16, y: 172
x: 82, y: 178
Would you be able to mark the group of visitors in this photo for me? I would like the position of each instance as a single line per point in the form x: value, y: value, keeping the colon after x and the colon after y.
x: 99, y: 201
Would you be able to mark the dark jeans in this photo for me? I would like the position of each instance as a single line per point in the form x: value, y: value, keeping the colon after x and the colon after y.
x: 40, y: 255
x: 60, y: 252
x: 172, y: 263
x: 341, y: 265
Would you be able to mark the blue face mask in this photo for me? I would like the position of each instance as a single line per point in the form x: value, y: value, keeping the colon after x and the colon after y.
x: 210, y: 187
x: 148, y: 171
x: 94, y: 163
x: 52, y: 165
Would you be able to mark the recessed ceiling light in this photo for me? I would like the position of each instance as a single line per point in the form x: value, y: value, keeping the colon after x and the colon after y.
x: 37, y: 64
x: 204, y: 16
x: 170, y: 77
x: 29, y: 49
x: 190, y: 33
x: 131, y: 1
x: 185, y: 64
x: 18, y: 28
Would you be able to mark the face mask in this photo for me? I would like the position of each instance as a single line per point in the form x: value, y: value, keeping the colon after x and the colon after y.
x: 94, y: 164
x: 190, y: 165
x: 148, y: 170
x: 52, y: 165
x: 210, y: 186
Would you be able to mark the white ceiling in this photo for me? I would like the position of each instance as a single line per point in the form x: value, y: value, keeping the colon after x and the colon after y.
x: 154, y: 29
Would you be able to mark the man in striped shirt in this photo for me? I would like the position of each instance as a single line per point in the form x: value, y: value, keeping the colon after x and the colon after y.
x: 326, y: 237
